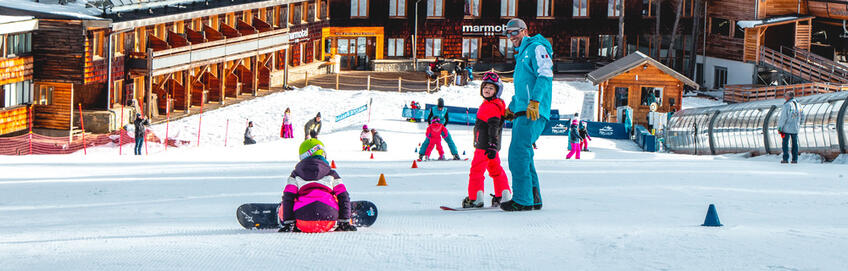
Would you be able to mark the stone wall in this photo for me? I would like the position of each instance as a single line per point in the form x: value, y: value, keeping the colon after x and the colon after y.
x: 298, y: 73
x: 101, y: 122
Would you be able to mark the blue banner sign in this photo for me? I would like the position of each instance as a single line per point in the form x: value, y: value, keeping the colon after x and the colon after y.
x: 352, y: 112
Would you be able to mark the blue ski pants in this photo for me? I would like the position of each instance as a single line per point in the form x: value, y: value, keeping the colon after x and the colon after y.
x: 524, y: 178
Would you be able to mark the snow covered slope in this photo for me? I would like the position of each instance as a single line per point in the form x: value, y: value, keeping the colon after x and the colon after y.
x: 617, y: 209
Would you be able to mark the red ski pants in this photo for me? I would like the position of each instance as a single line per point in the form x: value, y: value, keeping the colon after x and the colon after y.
x: 435, y: 142
x: 480, y: 164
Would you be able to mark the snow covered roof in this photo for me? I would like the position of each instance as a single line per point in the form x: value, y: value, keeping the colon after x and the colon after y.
x: 630, y: 61
x: 73, y: 10
x: 771, y: 21
x: 17, y: 24
x: 129, y: 5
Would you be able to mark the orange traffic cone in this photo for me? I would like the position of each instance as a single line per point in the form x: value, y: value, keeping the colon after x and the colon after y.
x: 372, y: 155
x: 414, y: 164
x: 382, y: 181
x: 333, y: 164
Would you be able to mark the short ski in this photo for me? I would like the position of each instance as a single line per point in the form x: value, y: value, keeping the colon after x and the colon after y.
x: 460, y: 209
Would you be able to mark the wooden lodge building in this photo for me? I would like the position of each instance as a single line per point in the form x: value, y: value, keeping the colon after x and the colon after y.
x: 156, y: 57
x: 16, y: 68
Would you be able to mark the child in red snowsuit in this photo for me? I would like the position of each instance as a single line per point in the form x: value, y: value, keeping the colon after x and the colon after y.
x: 435, y: 132
x: 487, y: 141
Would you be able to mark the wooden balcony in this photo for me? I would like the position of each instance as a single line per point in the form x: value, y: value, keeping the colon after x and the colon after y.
x: 749, y: 93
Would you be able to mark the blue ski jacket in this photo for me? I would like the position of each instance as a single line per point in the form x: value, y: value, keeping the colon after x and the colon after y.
x: 533, y: 75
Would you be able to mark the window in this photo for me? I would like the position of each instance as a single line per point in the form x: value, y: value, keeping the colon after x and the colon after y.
x: 470, y: 48
x: 358, y: 8
x: 688, y: 8
x: 296, y: 11
x: 472, y: 8
x: 505, y: 48
x: 316, y: 50
x: 44, y: 95
x: 315, y: 10
x: 579, y: 47
x: 699, y: 73
x: 305, y: 12
x: 607, y: 45
x: 302, y: 47
x: 614, y: 8
x: 19, y: 44
x: 719, y: 26
x: 719, y: 77
x: 269, y: 17
x: 433, y: 48
x: 739, y: 32
x: 508, y: 8
x: 97, y: 44
x: 544, y: 8
x: 621, y: 96
x: 651, y: 95
x: 581, y: 8
x: 435, y: 8
x: 395, y: 47
x: 649, y: 8
x: 17, y: 93
x: 118, y: 43
x: 283, y: 16
x: 397, y: 8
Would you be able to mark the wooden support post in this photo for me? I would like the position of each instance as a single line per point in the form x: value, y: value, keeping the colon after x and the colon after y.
x: 337, y: 81
x: 369, y: 82
x: 306, y: 79
x: 187, y: 86
x: 222, y: 83
x: 255, y: 72
x: 428, y: 85
x: 399, y: 82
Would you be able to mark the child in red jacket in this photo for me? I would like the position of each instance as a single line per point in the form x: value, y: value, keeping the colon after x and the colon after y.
x: 435, y: 132
x: 487, y: 143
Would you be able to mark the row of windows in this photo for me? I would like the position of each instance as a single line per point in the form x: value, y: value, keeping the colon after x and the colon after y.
x: 509, y: 8
x: 608, y: 46
x: 722, y: 27
x: 16, y: 44
x: 16, y: 93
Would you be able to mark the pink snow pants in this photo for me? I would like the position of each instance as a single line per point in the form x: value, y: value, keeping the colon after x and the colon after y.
x: 575, y: 149
x: 435, y: 142
x: 584, y: 144
x: 480, y: 164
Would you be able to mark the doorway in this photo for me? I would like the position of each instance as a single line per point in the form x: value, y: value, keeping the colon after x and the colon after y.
x: 356, y: 52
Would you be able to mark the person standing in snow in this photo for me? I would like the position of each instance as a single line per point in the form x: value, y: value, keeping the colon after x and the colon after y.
x: 313, y: 125
x: 487, y: 144
x: 584, y: 136
x: 435, y: 132
x: 441, y: 113
x: 248, y: 134
x: 788, y: 126
x: 286, y: 130
x: 365, y: 138
x: 530, y: 108
x: 140, y: 124
x: 314, y: 198
x: 377, y: 144
x: 573, y: 140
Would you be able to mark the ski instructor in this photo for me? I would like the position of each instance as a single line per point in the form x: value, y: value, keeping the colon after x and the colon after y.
x: 531, y: 108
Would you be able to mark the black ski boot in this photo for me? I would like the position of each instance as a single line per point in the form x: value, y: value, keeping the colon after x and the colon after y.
x: 511, y: 206
x: 537, y: 199
x: 468, y: 203
x: 420, y: 157
x: 496, y: 201
x: 456, y: 157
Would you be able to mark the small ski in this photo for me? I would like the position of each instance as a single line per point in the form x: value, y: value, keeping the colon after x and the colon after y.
x: 460, y: 209
x: 437, y: 160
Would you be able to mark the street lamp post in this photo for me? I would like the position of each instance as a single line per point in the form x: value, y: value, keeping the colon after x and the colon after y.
x: 415, y: 39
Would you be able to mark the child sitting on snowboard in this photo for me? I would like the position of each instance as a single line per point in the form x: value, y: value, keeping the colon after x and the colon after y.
x: 487, y: 143
x: 435, y: 132
x: 365, y: 138
x: 314, y: 199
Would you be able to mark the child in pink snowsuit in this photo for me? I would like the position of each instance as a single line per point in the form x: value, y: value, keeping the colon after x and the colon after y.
x: 435, y: 132
x: 286, y: 130
x: 487, y: 141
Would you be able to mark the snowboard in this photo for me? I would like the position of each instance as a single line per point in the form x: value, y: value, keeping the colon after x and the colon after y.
x: 460, y: 209
x: 264, y: 215
x: 437, y: 160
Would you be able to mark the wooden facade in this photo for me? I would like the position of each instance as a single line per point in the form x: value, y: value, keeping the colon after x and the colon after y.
x: 16, y: 73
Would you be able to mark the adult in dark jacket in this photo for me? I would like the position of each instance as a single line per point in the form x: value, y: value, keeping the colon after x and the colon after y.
x: 248, y: 134
x: 312, y: 125
x: 377, y: 142
x: 140, y: 124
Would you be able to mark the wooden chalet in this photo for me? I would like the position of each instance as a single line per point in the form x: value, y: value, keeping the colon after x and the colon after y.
x: 16, y: 69
x: 168, y: 56
x: 631, y: 81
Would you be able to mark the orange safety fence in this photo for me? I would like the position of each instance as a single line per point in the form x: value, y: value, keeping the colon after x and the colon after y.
x: 20, y: 145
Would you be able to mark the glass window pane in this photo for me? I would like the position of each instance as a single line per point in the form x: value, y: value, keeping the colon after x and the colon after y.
x: 363, y: 8
x: 391, y: 47
x: 342, y: 46
x: 503, y: 8
x: 401, y: 7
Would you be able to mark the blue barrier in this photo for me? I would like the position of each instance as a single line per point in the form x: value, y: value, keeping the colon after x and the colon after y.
x: 645, y: 139
x: 409, y: 113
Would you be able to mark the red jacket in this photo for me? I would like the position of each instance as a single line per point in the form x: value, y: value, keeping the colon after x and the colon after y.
x: 489, y: 124
x: 436, y: 130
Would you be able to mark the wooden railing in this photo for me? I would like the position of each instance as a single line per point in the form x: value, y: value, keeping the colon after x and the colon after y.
x: 805, y: 65
x: 748, y: 93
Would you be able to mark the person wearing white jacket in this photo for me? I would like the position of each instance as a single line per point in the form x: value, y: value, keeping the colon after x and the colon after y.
x: 788, y: 125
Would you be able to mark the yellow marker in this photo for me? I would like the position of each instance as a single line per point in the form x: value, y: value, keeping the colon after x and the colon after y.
x: 257, y: 225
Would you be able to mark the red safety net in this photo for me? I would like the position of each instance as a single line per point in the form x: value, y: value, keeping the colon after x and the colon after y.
x: 20, y: 145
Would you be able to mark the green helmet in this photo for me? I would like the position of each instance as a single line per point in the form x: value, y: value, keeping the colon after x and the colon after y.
x: 311, y: 147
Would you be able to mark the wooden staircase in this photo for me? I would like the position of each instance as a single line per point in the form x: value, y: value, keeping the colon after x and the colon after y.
x: 805, y: 65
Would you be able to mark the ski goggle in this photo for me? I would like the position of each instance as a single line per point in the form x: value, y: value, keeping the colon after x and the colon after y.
x: 491, y: 77
x: 510, y: 33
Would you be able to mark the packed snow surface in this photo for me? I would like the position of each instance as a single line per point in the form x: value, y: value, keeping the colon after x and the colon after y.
x: 615, y: 209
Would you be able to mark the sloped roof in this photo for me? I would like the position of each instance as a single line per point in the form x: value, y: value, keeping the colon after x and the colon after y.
x: 631, y: 61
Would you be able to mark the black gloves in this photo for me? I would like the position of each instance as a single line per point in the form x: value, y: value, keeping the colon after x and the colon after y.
x: 288, y: 226
x: 345, y: 226
x: 491, y: 151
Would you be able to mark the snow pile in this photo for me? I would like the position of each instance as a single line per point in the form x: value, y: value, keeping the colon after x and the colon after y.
x: 77, y: 9
x: 695, y: 102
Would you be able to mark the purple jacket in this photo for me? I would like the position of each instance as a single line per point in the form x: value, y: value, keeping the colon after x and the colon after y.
x: 313, y: 181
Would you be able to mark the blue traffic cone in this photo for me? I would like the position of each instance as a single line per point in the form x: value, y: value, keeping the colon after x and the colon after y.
x: 712, y: 218
x: 416, y: 149
x: 463, y: 152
